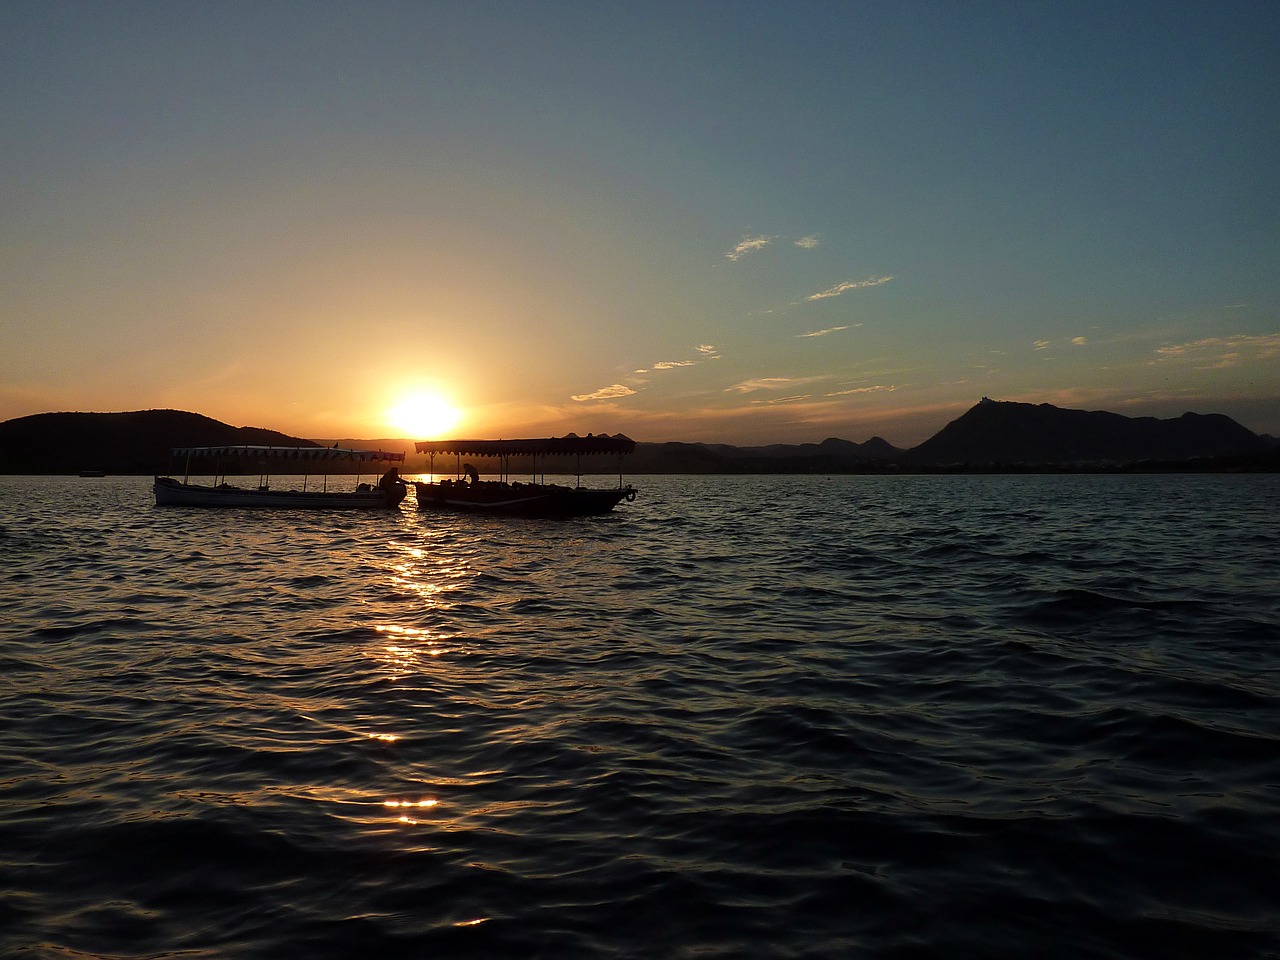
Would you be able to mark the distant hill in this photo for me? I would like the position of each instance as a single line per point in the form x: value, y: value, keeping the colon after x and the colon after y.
x: 1001, y: 432
x: 117, y: 443
x: 993, y: 435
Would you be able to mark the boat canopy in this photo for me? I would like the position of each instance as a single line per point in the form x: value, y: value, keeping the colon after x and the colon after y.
x: 571, y: 444
x: 290, y: 453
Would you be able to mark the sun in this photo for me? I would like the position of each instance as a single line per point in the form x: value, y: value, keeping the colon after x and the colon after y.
x: 424, y: 416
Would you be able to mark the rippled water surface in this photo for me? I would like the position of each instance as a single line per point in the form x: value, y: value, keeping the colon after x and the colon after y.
x: 741, y: 717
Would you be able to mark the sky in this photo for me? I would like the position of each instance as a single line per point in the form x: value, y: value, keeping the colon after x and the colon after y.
x: 735, y: 222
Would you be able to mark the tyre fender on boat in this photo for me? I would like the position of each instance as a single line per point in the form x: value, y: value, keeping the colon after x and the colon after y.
x: 631, y: 496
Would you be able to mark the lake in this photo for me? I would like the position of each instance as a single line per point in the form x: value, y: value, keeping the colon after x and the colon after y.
x: 954, y: 716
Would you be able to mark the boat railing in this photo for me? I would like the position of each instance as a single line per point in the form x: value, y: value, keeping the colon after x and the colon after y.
x: 257, y: 458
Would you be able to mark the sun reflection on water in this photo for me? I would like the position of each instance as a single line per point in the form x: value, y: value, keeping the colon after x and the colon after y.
x: 427, y: 575
x: 410, y: 648
x: 415, y: 805
x: 410, y: 803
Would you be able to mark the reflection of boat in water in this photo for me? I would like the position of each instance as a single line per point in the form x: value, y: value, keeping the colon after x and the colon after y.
x: 518, y: 498
x: 384, y: 493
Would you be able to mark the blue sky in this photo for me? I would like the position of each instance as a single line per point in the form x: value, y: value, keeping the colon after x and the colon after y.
x: 738, y: 222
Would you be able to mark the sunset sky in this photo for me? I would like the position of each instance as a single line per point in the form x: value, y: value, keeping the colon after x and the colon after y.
x: 740, y: 222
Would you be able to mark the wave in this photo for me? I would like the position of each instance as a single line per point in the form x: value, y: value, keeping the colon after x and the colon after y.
x: 892, y: 717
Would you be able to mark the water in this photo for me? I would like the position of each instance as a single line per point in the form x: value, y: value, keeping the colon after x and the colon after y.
x: 765, y: 717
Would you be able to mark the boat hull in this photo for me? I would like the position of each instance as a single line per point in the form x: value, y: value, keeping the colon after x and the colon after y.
x: 520, y: 499
x: 172, y: 493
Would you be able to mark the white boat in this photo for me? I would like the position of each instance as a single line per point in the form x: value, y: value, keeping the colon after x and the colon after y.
x: 384, y: 493
x: 468, y: 492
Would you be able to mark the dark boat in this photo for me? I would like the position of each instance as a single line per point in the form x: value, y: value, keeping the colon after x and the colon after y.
x: 523, y: 498
x: 386, y: 493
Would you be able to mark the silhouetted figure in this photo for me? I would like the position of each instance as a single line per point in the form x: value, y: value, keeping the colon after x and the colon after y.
x: 389, y: 480
x: 472, y: 477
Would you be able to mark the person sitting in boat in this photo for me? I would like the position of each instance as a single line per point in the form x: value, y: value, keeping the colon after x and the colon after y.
x: 389, y: 480
x: 472, y: 477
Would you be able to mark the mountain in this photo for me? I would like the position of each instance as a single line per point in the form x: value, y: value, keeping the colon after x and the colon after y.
x: 1002, y: 432
x: 137, y: 442
x: 992, y: 435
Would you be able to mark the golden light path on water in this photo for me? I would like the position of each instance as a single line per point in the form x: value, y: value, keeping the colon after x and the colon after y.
x: 430, y: 577
x: 402, y: 652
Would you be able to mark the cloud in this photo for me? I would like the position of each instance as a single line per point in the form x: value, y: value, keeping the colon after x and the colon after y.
x: 606, y: 393
x: 879, y: 388
x: 772, y: 383
x: 763, y: 383
x: 706, y: 351
x: 669, y: 364
x: 848, y: 285
x: 1219, y: 353
x: 1046, y: 344
x: 823, y: 333
x: 748, y: 245
x: 776, y: 400
x: 752, y: 244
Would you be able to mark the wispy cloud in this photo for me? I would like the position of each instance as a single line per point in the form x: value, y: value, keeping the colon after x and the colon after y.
x: 762, y: 383
x: 772, y: 401
x: 1046, y: 344
x: 773, y: 384
x: 751, y: 244
x: 823, y: 333
x: 879, y: 388
x: 606, y: 393
x: 848, y: 285
x: 1217, y: 353
x: 748, y: 245
x: 705, y: 351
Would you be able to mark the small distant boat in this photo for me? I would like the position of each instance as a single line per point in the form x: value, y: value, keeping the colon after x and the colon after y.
x: 386, y: 493
x: 524, y: 499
